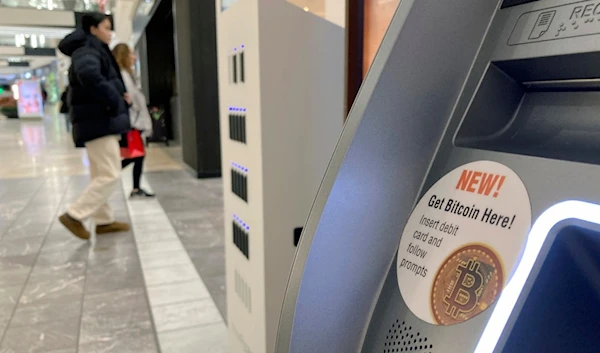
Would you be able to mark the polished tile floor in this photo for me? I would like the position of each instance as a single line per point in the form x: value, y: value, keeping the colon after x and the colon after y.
x: 34, y: 148
x: 195, y: 208
x: 158, y: 288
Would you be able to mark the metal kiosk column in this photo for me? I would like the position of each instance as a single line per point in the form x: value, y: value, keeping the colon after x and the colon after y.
x: 460, y: 212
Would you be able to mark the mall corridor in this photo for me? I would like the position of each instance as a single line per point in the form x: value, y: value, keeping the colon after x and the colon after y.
x: 154, y: 289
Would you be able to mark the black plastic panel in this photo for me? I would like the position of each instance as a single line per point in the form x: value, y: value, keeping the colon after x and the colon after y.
x: 235, y: 69
x: 509, y: 3
x: 559, y: 67
x: 562, y: 311
x: 239, y: 184
x: 242, y: 68
x: 297, y: 234
x: 237, y: 127
x: 241, y: 239
x: 556, y: 118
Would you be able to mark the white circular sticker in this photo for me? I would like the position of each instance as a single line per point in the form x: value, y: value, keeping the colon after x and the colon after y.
x: 462, y: 241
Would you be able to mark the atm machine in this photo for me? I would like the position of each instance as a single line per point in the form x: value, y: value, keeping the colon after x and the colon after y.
x: 461, y: 209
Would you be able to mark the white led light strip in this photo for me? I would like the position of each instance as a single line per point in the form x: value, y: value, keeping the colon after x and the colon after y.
x: 565, y: 210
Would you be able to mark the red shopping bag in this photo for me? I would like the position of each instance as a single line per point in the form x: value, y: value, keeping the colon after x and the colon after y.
x: 135, y: 146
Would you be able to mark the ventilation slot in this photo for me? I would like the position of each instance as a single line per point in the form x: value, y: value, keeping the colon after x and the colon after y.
x: 402, y: 338
x: 242, y: 289
x: 239, y: 181
x: 241, y: 237
x: 237, y: 124
x: 242, y: 68
x: 235, y: 68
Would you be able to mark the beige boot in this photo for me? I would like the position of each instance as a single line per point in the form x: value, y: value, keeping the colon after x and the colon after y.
x: 75, y: 226
x: 114, y: 227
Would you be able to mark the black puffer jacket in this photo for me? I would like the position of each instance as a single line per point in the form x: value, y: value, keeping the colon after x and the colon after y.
x: 96, y: 89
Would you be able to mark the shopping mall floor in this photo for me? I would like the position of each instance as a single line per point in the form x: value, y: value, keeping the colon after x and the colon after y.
x: 158, y: 288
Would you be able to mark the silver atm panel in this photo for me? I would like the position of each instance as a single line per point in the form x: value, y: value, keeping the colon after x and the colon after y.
x: 456, y: 82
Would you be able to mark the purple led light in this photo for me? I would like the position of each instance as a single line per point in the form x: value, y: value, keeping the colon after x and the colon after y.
x: 241, y: 168
x: 241, y: 223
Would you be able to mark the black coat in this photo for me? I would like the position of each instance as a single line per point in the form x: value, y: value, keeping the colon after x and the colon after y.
x: 96, y: 89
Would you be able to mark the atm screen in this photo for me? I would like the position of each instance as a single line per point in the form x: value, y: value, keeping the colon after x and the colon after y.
x: 562, y: 311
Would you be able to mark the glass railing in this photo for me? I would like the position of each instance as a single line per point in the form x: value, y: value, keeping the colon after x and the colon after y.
x: 62, y: 5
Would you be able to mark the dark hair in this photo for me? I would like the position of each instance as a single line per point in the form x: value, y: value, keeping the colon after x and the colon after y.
x: 92, y: 19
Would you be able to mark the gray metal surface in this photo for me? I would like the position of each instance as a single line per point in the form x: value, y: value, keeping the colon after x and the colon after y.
x: 400, y: 139
x: 386, y: 149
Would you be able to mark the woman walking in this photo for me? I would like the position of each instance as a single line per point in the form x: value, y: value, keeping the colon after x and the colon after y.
x: 99, y: 115
x: 138, y: 113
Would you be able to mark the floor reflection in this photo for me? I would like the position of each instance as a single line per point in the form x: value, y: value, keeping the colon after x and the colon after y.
x: 44, y: 148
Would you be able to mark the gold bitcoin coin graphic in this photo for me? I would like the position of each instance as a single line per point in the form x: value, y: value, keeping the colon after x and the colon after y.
x: 466, y: 284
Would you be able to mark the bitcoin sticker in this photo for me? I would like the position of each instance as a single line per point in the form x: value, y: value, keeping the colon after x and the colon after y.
x: 466, y: 284
x: 462, y: 242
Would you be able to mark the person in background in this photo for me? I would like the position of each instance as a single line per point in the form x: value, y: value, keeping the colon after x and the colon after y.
x: 99, y: 107
x: 44, y: 93
x: 138, y: 113
x: 64, y: 107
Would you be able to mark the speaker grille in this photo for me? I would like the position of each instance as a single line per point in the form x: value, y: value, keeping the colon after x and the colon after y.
x: 403, y: 338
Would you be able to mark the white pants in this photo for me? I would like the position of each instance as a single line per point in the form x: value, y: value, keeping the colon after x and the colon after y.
x: 105, y: 171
